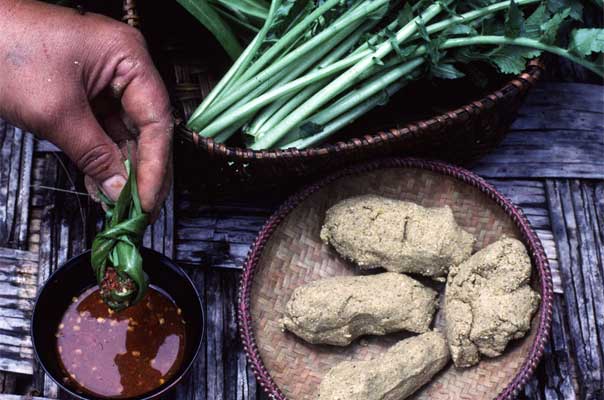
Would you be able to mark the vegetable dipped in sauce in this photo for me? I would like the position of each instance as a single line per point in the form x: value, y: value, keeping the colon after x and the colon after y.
x: 120, y: 353
x: 116, y: 259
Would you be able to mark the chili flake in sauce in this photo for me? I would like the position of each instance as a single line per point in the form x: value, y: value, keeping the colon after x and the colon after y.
x: 120, y: 353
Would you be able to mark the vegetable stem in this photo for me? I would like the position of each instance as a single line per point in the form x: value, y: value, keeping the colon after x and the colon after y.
x: 279, y: 109
x: 248, y: 109
x: 522, y: 42
x: 240, y: 64
x: 199, y: 121
x: 201, y: 10
x: 368, y: 90
x: 475, y: 14
x: 344, y: 81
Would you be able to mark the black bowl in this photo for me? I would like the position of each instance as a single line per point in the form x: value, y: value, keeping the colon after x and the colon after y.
x: 75, y: 276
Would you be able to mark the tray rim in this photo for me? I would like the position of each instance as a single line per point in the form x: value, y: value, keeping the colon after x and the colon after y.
x: 529, y: 238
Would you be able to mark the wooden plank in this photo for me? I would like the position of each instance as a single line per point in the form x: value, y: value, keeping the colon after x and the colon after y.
x: 578, y: 232
x: 554, y: 378
x: 240, y: 381
x: 8, y: 382
x: 530, y: 196
x: 160, y: 235
x: 559, y: 133
x: 15, y: 172
x: 13, y: 183
x: 15, y: 176
x: 6, y: 164
x: 22, y: 217
x: 18, y: 284
x: 553, y: 156
x: 217, y: 236
x: 221, y: 371
x: 44, y: 146
x: 16, y: 152
x: 215, y: 382
x: 194, y: 384
x: 62, y: 231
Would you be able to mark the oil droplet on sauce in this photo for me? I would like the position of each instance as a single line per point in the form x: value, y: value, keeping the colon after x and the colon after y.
x: 120, y: 354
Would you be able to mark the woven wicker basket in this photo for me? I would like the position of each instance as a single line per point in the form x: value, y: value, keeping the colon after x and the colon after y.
x: 461, y: 134
x: 288, y: 252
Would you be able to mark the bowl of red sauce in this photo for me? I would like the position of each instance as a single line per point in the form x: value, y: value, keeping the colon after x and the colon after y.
x: 141, y: 352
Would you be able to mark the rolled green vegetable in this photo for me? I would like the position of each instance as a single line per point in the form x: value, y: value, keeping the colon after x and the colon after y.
x: 116, y: 258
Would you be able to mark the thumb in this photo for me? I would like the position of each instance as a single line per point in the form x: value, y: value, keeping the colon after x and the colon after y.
x: 83, y: 140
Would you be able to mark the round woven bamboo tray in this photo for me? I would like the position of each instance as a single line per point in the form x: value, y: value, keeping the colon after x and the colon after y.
x: 288, y: 253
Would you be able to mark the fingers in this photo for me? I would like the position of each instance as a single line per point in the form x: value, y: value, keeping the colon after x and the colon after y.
x: 145, y: 101
x: 95, y: 153
x: 165, y: 189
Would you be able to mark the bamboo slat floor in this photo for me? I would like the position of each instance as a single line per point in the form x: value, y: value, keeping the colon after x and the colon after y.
x: 550, y: 165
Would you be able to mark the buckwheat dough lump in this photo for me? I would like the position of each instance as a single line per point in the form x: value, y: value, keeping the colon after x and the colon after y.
x: 488, y: 302
x: 399, y: 236
x: 338, y: 310
x: 395, y: 375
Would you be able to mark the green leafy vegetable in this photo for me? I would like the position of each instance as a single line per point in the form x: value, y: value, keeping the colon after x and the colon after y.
x: 551, y: 27
x: 587, y: 41
x: 575, y: 7
x: 215, y: 15
x: 116, y: 259
x: 514, y: 21
x: 447, y: 71
x: 295, y: 86
x: 208, y: 16
x: 512, y: 59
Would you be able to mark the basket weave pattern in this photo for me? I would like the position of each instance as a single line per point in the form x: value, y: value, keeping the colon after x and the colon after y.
x: 460, y: 135
x: 288, y: 253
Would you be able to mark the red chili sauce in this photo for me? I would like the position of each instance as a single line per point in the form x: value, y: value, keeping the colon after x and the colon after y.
x: 120, y: 354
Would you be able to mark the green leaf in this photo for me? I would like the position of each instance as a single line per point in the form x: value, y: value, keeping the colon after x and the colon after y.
x: 532, y: 26
x: 285, y: 15
x: 432, y: 45
x: 244, y: 8
x: 507, y: 59
x: 446, y: 71
x: 514, y: 21
x: 586, y: 41
x: 401, y: 52
x: 460, y: 30
x: 117, y: 247
x: 551, y: 27
x: 449, y: 10
x: 575, y: 6
x: 405, y: 15
x: 204, y: 12
x: 309, y: 128
x: 491, y: 26
x: 512, y: 59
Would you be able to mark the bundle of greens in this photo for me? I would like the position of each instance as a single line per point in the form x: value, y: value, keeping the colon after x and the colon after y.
x: 116, y: 259
x: 315, y: 67
x: 221, y: 16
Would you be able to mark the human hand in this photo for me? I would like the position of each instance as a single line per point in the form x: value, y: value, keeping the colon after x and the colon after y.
x: 87, y: 84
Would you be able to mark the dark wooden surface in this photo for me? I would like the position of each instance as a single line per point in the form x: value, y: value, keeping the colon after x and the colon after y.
x: 551, y: 165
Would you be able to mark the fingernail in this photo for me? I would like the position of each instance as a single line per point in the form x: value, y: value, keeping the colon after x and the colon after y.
x: 113, y: 186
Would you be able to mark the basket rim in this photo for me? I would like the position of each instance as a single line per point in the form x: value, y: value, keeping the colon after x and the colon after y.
x: 514, y: 87
x: 529, y: 237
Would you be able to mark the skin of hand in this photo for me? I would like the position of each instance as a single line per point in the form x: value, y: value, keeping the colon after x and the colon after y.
x: 87, y: 84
